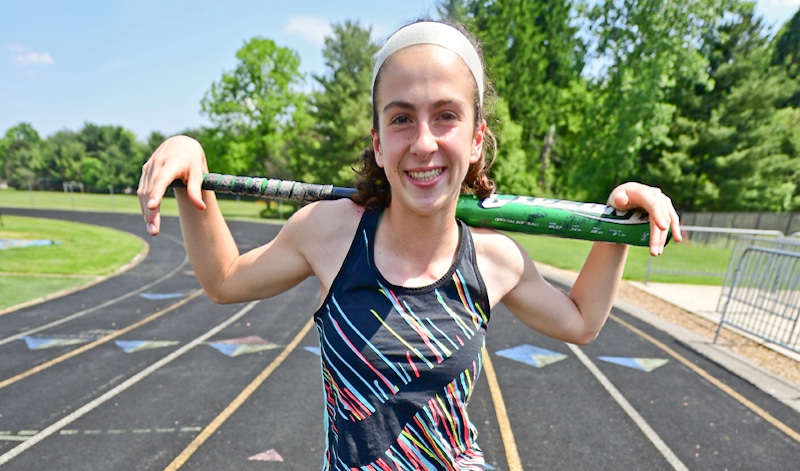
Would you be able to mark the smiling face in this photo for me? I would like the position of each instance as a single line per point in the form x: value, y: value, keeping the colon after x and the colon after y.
x: 426, y: 137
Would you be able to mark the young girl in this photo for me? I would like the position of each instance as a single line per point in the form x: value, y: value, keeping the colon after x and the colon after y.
x: 406, y: 288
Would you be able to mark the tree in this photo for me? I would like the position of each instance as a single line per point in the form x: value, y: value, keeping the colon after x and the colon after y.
x: 253, y: 105
x: 786, y: 55
x: 533, y: 52
x: 454, y: 10
x: 342, y: 108
x: 154, y: 139
x: 644, y: 48
x: 510, y: 170
x: 113, y: 157
x: 4, y: 142
x: 22, y: 160
x: 787, y: 46
x: 730, y: 145
x: 62, y: 155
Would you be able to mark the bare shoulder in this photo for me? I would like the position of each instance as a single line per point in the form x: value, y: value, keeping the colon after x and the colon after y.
x: 322, y: 232
x: 501, y: 261
x: 496, y: 245
x: 328, y: 215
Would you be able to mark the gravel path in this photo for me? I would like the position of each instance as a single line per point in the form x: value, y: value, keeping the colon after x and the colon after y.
x: 775, y: 362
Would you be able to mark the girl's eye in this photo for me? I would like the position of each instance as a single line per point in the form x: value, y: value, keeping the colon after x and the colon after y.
x: 449, y: 116
x: 400, y: 119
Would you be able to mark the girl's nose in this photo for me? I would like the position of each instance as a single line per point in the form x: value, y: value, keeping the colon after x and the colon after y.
x: 424, y: 141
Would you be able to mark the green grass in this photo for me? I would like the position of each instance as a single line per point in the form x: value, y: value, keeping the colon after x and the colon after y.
x: 82, y: 253
x: 15, y: 290
x: 81, y: 249
x: 570, y: 254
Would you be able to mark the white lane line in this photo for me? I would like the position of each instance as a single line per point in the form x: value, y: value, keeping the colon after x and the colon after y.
x: 648, y: 431
x: 52, y: 429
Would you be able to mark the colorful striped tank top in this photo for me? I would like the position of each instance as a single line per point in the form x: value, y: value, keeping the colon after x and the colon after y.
x: 399, y: 364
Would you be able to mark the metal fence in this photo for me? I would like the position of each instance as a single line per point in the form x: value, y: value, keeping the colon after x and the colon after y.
x: 764, y: 299
x: 791, y: 244
x: 705, y: 251
x: 787, y: 223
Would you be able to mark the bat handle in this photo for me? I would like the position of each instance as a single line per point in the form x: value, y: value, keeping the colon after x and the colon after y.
x: 270, y: 188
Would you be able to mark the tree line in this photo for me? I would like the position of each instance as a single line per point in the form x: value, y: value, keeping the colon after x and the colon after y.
x: 698, y: 97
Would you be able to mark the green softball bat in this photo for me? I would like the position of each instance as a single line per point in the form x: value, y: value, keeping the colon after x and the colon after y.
x: 526, y: 214
x: 554, y: 217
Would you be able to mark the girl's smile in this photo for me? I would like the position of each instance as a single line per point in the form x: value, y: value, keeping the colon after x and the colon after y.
x: 425, y: 176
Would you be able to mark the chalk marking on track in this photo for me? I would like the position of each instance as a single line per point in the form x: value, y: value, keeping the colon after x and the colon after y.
x: 22, y: 435
x: 54, y: 428
x: 248, y: 391
x: 506, y: 433
x: 82, y: 313
x: 86, y: 347
x: 651, y: 434
x: 790, y: 432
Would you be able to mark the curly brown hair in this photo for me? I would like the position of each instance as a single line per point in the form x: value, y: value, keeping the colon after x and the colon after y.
x: 373, y: 188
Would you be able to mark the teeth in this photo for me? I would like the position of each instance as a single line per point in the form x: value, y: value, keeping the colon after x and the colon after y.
x: 425, y: 176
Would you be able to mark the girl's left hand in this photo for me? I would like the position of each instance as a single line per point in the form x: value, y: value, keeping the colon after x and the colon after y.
x: 663, y: 216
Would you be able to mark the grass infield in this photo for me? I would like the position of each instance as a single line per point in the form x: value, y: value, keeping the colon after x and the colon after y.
x: 80, y: 254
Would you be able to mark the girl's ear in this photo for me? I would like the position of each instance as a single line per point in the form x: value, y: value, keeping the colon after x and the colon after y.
x: 477, y: 142
x: 376, y: 147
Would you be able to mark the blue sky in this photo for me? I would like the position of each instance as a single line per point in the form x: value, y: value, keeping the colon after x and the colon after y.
x: 145, y: 65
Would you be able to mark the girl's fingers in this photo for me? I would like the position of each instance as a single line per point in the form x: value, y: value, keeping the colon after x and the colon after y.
x: 178, y: 157
x: 194, y: 189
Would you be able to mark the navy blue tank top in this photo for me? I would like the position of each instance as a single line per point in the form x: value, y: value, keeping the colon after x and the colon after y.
x: 399, y: 364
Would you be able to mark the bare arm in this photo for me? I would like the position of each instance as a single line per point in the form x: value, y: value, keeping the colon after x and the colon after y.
x: 578, y: 316
x: 225, y: 275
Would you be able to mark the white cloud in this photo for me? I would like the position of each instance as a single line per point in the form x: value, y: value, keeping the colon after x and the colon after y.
x: 311, y: 28
x: 22, y: 55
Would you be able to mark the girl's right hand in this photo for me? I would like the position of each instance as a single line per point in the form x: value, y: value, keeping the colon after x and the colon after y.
x: 178, y: 158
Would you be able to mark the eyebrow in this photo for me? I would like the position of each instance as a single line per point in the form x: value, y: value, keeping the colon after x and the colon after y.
x: 408, y: 105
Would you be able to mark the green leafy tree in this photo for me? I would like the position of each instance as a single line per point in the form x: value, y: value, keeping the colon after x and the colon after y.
x: 786, y: 54
x: 510, y: 169
x: 23, y: 157
x: 730, y: 146
x: 153, y: 140
x: 647, y: 48
x: 62, y: 155
x: 787, y: 45
x: 253, y: 105
x: 533, y: 52
x: 115, y: 157
x: 454, y: 10
x: 342, y: 108
x: 763, y: 168
x: 3, y: 156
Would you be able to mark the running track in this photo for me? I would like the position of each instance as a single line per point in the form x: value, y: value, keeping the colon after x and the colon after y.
x: 143, y: 372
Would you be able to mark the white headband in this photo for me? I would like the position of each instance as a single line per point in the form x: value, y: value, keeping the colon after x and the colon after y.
x: 439, y: 34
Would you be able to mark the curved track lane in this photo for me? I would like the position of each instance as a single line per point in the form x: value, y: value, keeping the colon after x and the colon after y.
x: 142, y: 371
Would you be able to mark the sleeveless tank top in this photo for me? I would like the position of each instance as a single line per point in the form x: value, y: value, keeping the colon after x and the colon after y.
x: 399, y: 364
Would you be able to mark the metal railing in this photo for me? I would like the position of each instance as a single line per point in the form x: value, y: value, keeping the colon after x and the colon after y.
x: 764, y: 296
x: 791, y: 244
x: 705, y: 251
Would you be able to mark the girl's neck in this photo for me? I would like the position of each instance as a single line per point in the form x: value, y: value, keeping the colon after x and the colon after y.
x: 415, y: 250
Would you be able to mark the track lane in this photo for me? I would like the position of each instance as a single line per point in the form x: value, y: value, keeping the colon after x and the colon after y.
x: 561, y: 417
